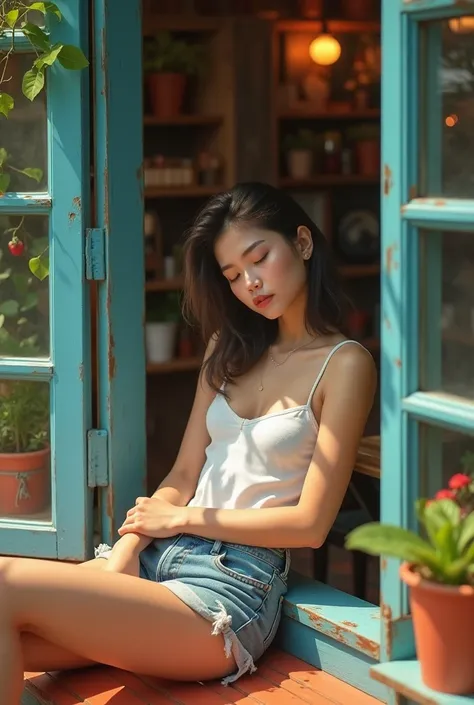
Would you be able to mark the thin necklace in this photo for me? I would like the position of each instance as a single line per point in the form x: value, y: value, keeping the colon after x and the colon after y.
x: 279, y: 364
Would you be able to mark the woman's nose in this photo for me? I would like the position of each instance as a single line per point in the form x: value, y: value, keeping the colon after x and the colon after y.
x: 253, y: 283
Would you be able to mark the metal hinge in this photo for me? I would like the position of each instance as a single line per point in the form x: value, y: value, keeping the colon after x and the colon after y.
x: 95, y: 254
x: 97, y: 458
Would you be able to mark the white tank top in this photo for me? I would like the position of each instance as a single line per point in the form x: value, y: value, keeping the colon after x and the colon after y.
x: 261, y: 462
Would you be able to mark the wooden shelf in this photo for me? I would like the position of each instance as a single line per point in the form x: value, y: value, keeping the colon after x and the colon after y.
x: 154, y: 22
x: 308, y: 114
x: 182, y: 191
x: 354, y: 271
x: 322, y: 180
x: 165, y: 284
x: 333, y: 26
x: 177, y: 365
x: 184, y: 120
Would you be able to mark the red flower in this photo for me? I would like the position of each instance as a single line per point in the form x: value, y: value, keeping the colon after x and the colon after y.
x: 459, y: 481
x: 444, y: 494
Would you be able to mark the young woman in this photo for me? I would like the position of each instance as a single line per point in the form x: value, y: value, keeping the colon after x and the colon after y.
x: 192, y: 589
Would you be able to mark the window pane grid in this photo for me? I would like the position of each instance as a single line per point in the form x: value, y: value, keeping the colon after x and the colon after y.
x: 26, y: 203
x: 441, y: 409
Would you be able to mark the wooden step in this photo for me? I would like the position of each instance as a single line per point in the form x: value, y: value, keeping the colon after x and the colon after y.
x: 404, y: 678
x: 280, y: 679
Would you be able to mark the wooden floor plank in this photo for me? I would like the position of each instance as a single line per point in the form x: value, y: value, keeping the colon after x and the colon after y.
x: 281, y: 679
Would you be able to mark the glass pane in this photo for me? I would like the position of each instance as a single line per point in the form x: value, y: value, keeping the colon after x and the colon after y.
x: 24, y: 299
x: 444, y: 454
x: 447, y: 125
x: 23, y: 136
x: 447, y: 313
x: 25, y: 467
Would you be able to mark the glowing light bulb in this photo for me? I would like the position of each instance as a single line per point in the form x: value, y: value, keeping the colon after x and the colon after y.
x: 461, y: 25
x: 325, y: 50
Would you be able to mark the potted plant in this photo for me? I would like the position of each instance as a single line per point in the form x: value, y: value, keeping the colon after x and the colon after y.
x: 24, y: 448
x: 365, y: 139
x: 168, y: 62
x: 299, y: 149
x: 162, y: 319
x: 438, y: 568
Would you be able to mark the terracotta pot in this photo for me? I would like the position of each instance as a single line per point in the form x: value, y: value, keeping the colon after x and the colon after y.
x: 300, y: 163
x: 443, y: 622
x: 368, y: 157
x: 24, y: 482
x: 166, y: 91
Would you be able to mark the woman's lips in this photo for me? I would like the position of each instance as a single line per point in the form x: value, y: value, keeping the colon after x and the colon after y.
x: 262, y: 301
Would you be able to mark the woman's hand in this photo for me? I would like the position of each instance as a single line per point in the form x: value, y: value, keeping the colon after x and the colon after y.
x: 155, y: 517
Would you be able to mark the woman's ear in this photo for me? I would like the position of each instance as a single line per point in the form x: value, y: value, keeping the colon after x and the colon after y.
x: 304, y: 241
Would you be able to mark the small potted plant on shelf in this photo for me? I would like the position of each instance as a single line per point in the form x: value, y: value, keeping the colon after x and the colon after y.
x: 438, y: 568
x: 162, y: 319
x: 365, y: 139
x: 168, y: 62
x: 299, y: 149
x: 24, y: 448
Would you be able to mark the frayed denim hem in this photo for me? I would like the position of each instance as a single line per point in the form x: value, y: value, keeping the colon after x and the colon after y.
x: 221, y: 624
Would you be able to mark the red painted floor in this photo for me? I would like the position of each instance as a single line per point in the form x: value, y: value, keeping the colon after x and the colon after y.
x: 281, y: 679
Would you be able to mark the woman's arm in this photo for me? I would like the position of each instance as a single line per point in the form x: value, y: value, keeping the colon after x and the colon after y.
x: 348, y: 388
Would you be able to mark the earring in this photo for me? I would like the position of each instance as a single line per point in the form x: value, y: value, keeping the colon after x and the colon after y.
x: 306, y: 255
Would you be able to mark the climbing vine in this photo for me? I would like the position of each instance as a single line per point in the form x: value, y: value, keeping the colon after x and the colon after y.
x: 18, y: 18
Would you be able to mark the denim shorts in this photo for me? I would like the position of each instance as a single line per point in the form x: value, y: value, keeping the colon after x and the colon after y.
x: 238, y: 588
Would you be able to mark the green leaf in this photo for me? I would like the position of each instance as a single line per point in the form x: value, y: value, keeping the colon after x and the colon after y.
x: 39, y: 266
x: 49, y: 57
x: 11, y: 18
x: 45, y: 7
x: 456, y: 571
x: 5, y: 275
x: 9, y: 308
x: 386, y: 540
x: 3, y: 156
x: 72, y: 58
x: 36, y: 174
x: 33, y: 83
x: 467, y: 533
x: 21, y: 283
x: 37, y: 37
x: 442, y: 511
x: 4, y: 182
x: 31, y: 301
x: 446, y: 544
x: 2, y: 320
x: 6, y: 104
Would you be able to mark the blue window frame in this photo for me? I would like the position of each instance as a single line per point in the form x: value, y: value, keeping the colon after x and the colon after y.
x: 97, y: 436
x: 57, y: 521
x: 428, y: 242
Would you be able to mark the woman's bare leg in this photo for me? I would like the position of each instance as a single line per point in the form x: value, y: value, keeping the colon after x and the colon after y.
x: 103, y: 617
x: 41, y: 655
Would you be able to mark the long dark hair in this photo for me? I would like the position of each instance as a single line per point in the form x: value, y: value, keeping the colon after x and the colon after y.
x: 242, y: 335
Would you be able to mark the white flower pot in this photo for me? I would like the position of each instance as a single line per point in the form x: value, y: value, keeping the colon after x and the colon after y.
x: 300, y: 163
x: 160, y: 341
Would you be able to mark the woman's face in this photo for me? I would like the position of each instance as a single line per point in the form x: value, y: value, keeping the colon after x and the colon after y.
x: 263, y: 270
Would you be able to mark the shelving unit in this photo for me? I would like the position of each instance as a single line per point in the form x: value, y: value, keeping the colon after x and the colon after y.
x: 333, y: 192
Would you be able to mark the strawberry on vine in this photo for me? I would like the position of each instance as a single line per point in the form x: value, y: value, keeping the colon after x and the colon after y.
x: 16, y: 246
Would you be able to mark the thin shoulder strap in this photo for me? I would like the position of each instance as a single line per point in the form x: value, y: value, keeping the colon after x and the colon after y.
x: 326, y: 363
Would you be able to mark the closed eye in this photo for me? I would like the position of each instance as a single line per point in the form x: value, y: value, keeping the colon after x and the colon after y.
x: 259, y: 261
